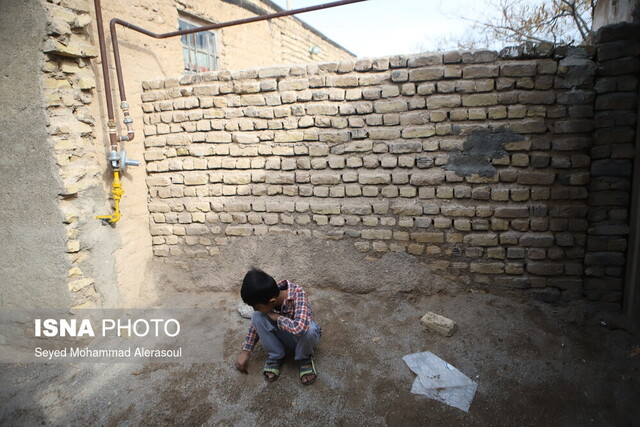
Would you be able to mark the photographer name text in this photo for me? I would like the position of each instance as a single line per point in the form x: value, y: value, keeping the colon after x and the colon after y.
x: 88, y: 353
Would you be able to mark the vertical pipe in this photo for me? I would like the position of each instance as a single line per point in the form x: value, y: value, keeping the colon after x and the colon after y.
x: 116, y: 56
x: 105, y: 74
x: 123, y: 96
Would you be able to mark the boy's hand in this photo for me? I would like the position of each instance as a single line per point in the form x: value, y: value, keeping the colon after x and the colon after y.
x: 273, y: 315
x: 242, y: 363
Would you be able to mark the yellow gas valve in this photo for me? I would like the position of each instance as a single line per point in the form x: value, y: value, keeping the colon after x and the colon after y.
x: 119, y: 162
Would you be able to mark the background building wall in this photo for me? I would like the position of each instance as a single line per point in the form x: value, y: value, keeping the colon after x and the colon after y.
x: 507, y: 172
x: 279, y: 41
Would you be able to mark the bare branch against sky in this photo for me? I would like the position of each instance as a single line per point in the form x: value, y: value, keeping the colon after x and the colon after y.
x: 387, y: 27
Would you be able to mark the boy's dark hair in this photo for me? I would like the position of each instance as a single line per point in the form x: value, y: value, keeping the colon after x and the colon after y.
x: 258, y: 287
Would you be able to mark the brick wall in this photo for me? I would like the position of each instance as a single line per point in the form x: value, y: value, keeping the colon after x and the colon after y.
x: 476, y: 162
x: 612, y: 154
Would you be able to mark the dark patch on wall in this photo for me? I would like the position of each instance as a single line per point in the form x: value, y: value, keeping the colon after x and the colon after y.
x: 480, y: 147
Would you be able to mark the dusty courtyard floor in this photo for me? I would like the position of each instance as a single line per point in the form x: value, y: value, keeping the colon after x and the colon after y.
x: 535, y: 364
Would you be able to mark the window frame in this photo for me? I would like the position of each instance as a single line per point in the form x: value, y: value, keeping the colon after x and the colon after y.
x: 192, y: 49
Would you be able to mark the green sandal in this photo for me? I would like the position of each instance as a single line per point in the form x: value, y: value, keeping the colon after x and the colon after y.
x: 307, y: 367
x: 272, y: 367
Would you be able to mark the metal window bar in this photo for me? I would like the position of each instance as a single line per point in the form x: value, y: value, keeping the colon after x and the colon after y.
x: 193, y: 64
x: 199, y: 49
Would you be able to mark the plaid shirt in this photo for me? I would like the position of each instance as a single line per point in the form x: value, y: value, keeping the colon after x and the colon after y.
x: 295, y: 314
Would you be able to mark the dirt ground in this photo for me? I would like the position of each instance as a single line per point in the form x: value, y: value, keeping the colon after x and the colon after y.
x: 535, y: 364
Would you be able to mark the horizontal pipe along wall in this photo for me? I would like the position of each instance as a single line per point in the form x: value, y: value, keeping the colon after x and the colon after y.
x: 475, y: 162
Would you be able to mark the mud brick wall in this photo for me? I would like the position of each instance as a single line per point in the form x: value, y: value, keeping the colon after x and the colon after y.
x: 612, y: 154
x: 477, y: 162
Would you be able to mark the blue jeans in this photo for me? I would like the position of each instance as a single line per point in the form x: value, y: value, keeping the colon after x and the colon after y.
x: 276, y: 341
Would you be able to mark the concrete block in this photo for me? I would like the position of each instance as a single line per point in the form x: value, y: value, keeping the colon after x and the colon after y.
x: 479, y: 100
x: 519, y: 69
x: 273, y: 72
x: 440, y: 324
x: 428, y: 177
x: 443, y: 101
x: 384, y: 133
x: 425, y: 60
x: 418, y: 132
x: 480, y: 71
x: 377, y: 234
x: 239, y: 230
x: 544, y: 269
x: 617, y: 101
x: 423, y: 74
x: 374, y: 178
x: 390, y: 106
x: 427, y: 237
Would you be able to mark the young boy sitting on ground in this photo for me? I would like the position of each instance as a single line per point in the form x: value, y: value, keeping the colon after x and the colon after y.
x: 282, y: 320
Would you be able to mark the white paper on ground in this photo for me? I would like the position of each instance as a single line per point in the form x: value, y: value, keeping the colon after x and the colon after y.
x: 440, y: 381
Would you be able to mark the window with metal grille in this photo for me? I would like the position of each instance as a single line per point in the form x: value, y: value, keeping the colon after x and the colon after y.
x: 199, y: 50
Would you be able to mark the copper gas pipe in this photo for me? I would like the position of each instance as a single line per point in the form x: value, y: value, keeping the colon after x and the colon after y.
x: 111, y: 125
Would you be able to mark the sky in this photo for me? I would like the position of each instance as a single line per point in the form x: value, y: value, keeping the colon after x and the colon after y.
x: 376, y: 28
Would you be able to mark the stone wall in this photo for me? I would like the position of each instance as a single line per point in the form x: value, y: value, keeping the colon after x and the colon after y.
x: 475, y: 162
